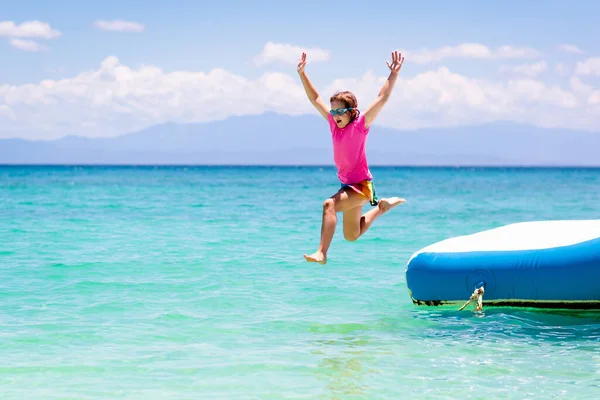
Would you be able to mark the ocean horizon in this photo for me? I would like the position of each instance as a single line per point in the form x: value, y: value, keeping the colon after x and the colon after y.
x: 328, y: 166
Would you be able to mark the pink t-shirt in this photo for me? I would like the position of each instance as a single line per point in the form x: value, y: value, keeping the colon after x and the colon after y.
x: 349, y: 150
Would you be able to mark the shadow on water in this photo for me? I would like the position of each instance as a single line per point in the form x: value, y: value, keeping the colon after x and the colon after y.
x: 354, y: 358
x: 344, y: 364
x: 529, y: 324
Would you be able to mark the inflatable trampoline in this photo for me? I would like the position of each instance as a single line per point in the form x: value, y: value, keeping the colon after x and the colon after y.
x: 552, y: 264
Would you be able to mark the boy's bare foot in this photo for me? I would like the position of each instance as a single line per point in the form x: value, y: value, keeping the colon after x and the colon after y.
x: 317, y: 257
x: 388, y: 204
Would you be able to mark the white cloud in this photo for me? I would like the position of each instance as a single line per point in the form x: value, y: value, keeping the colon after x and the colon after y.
x: 440, y: 98
x: 116, y: 99
x: 119, y: 26
x: 468, y: 50
x: 591, y: 95
x: 31, y: 29
x: 591, y: 66
x: 5, y: 111
x: 561, y: 69
x: 289, y: 54
x: 578, y: 87
x: 27, y: 45
x: 528, y: 70
x: 570, y: 48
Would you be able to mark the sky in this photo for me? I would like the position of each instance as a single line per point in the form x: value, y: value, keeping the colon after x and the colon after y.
x: 106, y: 68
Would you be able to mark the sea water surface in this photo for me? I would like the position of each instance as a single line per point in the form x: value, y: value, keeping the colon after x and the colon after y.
x: 189, y: 282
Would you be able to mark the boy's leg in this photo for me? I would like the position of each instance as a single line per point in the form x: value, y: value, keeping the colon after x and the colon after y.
x: 366, y: 220
x: 355, y: 224
x: 344, y: 200
x: 383, y: 206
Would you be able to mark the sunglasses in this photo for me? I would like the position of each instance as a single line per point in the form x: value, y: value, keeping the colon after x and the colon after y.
x: 340, y: 111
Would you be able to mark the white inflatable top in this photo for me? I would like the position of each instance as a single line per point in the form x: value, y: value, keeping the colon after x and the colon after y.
x: 520, y: 236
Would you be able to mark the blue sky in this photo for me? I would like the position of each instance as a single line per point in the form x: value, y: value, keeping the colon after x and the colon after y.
x: 542, y: 83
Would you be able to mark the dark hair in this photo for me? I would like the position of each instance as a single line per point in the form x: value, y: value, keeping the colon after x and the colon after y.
x: 349, y: 101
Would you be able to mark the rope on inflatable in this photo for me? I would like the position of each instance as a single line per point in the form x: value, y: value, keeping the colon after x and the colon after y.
x: 477, y: 295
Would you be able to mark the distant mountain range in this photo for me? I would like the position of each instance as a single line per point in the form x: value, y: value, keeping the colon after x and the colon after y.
x: 275, y: 139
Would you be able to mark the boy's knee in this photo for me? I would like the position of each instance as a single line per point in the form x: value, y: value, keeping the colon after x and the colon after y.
x: 328, y: 204
x: 351, y: 237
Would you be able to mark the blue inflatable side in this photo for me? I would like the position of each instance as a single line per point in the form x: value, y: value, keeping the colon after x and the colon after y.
x: 555, y: 276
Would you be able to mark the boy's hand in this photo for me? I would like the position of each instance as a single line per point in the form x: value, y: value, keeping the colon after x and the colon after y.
x: 302, y: 63
x: 396, y: 64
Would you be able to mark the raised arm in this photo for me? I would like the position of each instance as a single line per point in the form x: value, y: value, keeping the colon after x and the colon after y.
x: 310, y: 90
x: 385, y: 92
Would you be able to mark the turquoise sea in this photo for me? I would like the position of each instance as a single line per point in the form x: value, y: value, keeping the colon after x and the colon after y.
x: 189, y: 283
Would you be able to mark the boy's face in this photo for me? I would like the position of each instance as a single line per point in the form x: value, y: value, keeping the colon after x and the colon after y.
x: 340, y: 119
